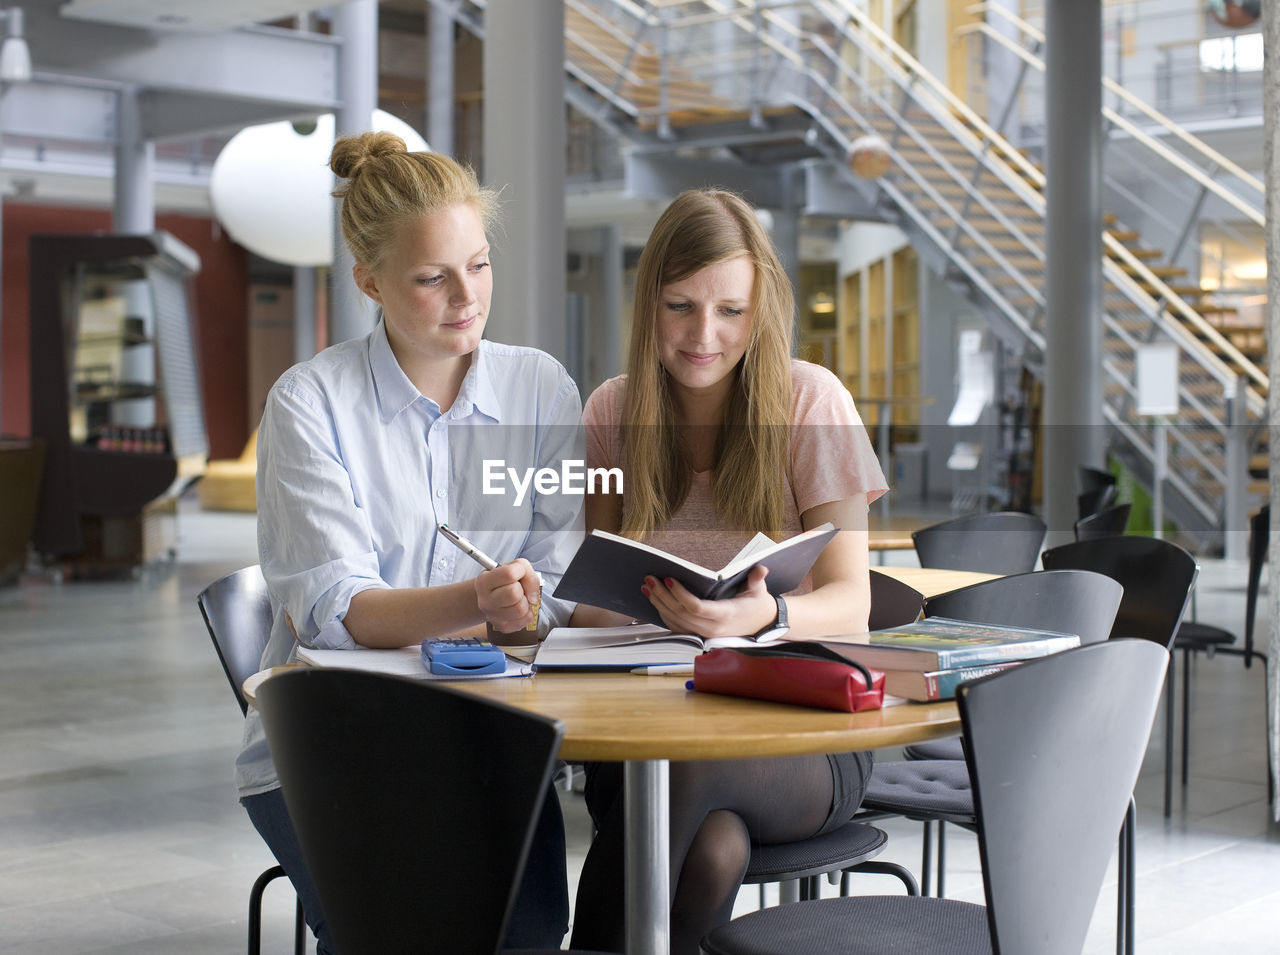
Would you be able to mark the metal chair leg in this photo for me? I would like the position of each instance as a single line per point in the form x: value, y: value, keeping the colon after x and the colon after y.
x: 1121, y: 869
x: 1169, y: 699
x: 1129, y: 884
x: 902, y: 873
x: 926, y: 857
x: 255, y: 907
x: 260, y: 884
x: 942, y: 859
x: 1186, y: 711
x: 299, y: 931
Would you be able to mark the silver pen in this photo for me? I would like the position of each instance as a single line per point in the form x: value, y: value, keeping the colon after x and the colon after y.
x: 468, y: 548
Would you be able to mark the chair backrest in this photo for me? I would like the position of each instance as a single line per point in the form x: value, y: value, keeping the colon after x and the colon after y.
x: 1054, y: 747
x: 1259, y: 541
x: 1156, y: 575
x: 1108, y: 522
x: 1071, y: 601
x: 414, y: 804
x: 893, y: 603
x: 237, y: 612
x: 1093, y: 478
x: 1091, y: 502
x: 999, y: 542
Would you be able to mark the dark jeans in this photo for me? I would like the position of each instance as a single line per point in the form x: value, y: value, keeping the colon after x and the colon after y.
x: 539, y: 918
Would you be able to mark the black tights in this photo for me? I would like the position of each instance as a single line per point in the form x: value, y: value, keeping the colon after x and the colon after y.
x: 717, y: 810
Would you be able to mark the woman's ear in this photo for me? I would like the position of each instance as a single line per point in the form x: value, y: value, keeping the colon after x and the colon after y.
x: 365, y: 281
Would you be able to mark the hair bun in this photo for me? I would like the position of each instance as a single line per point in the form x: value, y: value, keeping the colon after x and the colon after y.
x: 350, y: 153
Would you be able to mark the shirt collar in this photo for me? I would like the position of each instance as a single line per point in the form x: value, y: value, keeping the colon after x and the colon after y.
x: 477, y: 387
x: 396, y: 392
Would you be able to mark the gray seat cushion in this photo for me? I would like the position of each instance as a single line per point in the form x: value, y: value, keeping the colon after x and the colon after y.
x: 868, y: 925
x: 933, y: 788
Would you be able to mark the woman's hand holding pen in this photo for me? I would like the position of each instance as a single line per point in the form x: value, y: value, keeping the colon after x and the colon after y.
x: 509, y: 595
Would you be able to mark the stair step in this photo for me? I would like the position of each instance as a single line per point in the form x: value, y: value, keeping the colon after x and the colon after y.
x: 1159, y: 271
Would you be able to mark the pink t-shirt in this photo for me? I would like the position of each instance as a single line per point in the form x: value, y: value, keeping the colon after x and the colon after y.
x: 830, y: 459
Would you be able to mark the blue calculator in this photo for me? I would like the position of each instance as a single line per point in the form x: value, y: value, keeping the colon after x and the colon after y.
x: 470, y: 656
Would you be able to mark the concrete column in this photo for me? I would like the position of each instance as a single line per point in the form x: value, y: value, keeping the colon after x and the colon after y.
x: 786, y: 241
x: 351, y: 314
x: 524, y: 156
x: 609, y: 357
x: 1073, y: 246
x: 1271, y: 169
x: 304, y: 312
x: 440, y: 79
x: 134, y: 212
x: 134, y: 207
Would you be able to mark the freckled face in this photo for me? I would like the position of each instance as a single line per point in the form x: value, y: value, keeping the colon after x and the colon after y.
x: 704, y: 325
x: 434, y: 286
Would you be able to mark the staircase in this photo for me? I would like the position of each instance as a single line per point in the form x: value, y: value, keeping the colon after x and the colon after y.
x: 800, y: 83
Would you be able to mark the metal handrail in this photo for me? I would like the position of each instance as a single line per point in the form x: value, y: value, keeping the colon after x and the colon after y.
x: 1163, y: 151
x: 1212, y: 155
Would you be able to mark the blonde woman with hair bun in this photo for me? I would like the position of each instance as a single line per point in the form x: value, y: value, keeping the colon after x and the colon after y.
x: 366, y: 448
x: 720, y: 434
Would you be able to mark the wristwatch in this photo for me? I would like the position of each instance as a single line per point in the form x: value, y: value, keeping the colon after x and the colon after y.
x: 780, y: 624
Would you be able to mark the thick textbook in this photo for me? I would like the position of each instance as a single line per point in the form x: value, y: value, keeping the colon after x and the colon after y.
x: 608, y: 570
x: 925, y: 687
x: 623, y: 648
x: 940, y: 643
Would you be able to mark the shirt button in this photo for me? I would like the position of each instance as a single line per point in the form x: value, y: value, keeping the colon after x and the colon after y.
x: 440, y: 492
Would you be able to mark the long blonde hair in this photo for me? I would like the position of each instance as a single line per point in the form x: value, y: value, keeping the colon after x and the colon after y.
x: 387, y: 185
x: 703, y: 227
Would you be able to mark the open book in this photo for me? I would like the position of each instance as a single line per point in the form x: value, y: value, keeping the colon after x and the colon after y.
x: 622, y: 648
x: 608, y: 570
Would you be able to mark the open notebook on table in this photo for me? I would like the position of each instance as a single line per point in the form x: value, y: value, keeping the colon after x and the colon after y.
x: 403, y: 661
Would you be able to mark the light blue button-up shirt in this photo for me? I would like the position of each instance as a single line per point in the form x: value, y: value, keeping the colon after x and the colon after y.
x: 356, y: 468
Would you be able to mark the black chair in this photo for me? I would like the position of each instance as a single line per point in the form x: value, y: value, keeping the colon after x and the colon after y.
x: 893, y: 603
x: 1108, y: 522
x: 237, y: 613
x: 1093, y: 478
x: 1098, y: 499
x: 1157, y: 577
x: 415, y: 804
x: 1195, y: 637
x: 853, y: 847
x: 1055, y: 747
x: 998, y: 542
x: 932, y: 784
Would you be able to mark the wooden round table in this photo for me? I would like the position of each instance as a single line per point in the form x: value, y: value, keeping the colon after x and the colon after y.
x: 645, y: 721
x: 648, y: 720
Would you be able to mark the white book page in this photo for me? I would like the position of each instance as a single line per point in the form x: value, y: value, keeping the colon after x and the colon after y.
x: 756, y: 550
x: 696, y: 568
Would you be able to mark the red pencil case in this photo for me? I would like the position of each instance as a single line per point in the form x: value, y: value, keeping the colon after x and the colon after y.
x: 803, y: 673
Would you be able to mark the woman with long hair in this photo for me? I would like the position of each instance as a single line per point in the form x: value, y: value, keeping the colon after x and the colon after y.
x: 720, y: 434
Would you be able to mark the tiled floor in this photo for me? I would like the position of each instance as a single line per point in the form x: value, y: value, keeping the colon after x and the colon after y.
x: 120, y: 832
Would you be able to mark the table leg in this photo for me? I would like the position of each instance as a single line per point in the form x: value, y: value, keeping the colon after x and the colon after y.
x: 648, y: 857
